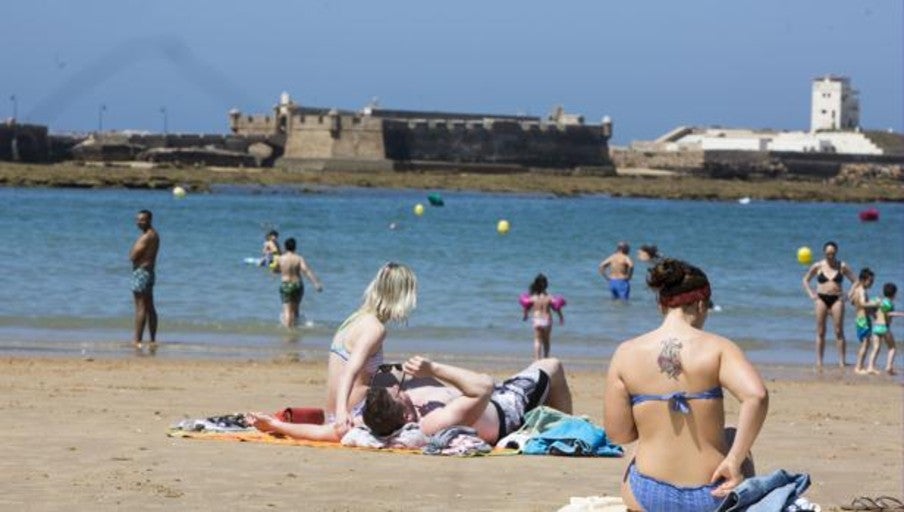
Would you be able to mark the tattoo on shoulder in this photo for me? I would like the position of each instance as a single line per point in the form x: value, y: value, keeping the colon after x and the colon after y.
x: 669, y: 359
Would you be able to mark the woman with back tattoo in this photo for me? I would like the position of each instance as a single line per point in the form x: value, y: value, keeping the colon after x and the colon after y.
x: 664, y: 390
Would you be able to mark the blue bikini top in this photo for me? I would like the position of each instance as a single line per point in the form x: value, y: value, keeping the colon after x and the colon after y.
x: 678, y: 400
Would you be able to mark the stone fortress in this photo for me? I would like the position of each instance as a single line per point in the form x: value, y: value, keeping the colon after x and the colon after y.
x: 381, y: 139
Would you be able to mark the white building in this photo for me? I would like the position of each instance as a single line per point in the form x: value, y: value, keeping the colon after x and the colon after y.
x: 835, y: 105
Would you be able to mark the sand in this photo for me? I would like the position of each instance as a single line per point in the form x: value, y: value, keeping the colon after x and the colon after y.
x: 91, y: 435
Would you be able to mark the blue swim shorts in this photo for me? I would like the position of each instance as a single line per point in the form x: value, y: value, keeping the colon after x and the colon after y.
x: 620, y: 288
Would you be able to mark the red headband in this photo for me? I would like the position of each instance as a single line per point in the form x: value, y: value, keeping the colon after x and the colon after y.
x: 685, y: 298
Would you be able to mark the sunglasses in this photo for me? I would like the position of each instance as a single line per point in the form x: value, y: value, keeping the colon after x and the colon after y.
x: 387, y: 369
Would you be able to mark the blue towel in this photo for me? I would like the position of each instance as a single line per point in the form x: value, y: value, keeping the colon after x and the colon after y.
x: 575, y: 436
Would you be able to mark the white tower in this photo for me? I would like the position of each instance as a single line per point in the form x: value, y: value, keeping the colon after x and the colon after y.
x: 835, y: 104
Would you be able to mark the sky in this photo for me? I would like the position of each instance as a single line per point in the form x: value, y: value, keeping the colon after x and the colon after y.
x: 648, y: 65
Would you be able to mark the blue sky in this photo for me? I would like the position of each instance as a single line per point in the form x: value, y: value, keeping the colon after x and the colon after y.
x: 650, y: 65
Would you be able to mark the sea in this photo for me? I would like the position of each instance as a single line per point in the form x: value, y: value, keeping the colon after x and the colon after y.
x: 65, y: 270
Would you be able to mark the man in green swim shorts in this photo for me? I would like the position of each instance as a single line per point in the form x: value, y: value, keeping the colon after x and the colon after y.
x: 144, y: 258
x: 291, y: 289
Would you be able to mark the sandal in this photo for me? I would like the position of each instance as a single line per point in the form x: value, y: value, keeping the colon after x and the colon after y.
x: 862, y: 503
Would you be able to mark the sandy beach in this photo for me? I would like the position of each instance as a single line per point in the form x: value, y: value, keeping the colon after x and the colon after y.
x: 91, y: 435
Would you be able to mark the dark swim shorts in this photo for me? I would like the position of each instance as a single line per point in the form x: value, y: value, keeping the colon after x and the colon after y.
x: 142, y: 280
x: 291, y: 291
x: 517, y: 396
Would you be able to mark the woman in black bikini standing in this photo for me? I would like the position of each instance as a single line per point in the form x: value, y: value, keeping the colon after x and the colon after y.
x: 828, y: 297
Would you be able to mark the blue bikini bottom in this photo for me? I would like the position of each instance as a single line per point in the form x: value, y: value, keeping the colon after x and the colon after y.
x: 655, y: 495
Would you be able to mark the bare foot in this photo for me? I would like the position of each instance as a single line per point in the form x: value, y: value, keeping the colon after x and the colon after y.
x: 138, y: 345
x: 891, y: 371
x: 872, y: 371
x: 860, y: 371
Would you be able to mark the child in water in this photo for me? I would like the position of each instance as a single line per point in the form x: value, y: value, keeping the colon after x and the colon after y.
x: 270, y: 249
x: 538, y: 306
x: 885, y: 310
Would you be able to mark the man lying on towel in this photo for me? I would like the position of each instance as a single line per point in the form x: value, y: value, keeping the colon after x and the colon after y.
x: 455, y: 396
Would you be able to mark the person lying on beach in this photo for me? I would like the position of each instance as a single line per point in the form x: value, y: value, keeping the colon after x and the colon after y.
x: 453, y: 396
x: 664, y: 390
x: 355, y: 355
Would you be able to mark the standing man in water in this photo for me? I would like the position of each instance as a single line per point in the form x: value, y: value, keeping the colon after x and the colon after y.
x: 144, y: 258
x: 291, y: 288
x: 617, y: 269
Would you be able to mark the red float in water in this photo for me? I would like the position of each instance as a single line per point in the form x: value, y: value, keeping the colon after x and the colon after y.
x: 869, y: 215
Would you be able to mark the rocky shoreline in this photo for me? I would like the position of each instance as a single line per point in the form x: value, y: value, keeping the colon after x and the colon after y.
x: 628, y: 182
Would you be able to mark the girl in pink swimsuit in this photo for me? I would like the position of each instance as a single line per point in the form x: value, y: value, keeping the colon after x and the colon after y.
x: 538, y: 306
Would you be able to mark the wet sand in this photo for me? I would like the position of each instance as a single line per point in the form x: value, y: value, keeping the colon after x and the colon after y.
x: 629, y: 182
x: 90, y: 435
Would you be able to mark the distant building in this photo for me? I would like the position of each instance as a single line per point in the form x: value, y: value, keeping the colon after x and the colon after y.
x: 835, y: 139
x: 835, y: 104
x: 23, y: 142
x: 834, y: 128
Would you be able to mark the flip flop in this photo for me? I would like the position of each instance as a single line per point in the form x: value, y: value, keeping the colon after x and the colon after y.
x: 862, y: 503
x: 889, y: 503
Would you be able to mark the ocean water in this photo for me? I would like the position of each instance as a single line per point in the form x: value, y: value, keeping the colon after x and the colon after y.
x: 65, y: 271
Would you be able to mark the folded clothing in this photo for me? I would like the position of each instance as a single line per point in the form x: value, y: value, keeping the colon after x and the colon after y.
x: 409, y: 436
x: 225, y: 423
x: 574, y: 436
x: 459, y: 441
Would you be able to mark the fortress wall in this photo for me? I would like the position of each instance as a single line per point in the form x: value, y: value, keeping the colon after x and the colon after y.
x: 669, y: 160
x: 186, y: 140
x: 495, y: 141
x: 253, y: 124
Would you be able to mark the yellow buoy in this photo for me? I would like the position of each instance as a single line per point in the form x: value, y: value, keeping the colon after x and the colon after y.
x: 503, y: 227
x: 804, y: 255
x: 419, y: 209
x: 179, y: 192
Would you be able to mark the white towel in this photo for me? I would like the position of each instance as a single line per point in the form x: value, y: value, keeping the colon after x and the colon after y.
x: 595, y: 504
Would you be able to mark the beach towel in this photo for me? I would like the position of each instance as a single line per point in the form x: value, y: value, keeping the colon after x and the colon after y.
x: 409, y: 439
x: 595, y: 504
x: 575, y: 437
x: 535, y: 421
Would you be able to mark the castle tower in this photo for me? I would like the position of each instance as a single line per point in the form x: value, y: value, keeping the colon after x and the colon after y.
x: 835, y: 104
